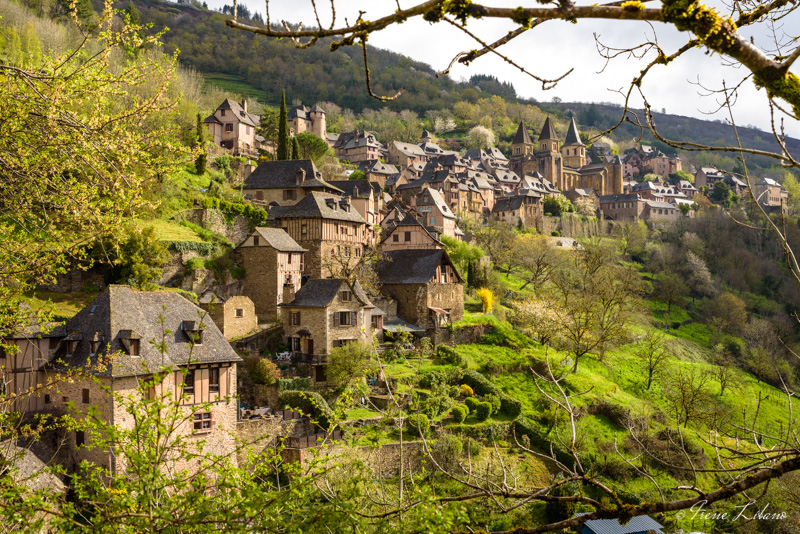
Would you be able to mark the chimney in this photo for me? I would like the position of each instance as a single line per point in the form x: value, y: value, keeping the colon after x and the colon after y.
x: 300, y: 176
x: 244, y: 104
x: 288, y: 292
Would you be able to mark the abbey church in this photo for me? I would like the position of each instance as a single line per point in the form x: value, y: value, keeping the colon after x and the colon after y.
x: 566, y: 168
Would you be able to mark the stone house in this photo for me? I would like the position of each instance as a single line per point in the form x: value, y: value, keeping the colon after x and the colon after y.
x: 301, y: 119
x: 436, y: 213
x: 323, y: 315
x: 273, y: 264
x: 426, y: 285
x: 707, y: 176
x: 413, y: 172
x: 625, y: 207
x: 687, y: 188
x: 405, y: 154
x: 409, y: 234
x: 235, y: 316
x: 769, y: 193
x: 367, y: 198
x: 358, y: 146
x: 328, y: 227
x: 283, y: 183
x: 377, y: 171
x: 110, y: 347
x: 525, y: 206
x: 575, y: 194
x: 232, y: 127
x: 657, y: 211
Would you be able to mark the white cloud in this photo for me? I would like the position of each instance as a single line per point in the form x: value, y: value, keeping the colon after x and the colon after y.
x: 553, y: 48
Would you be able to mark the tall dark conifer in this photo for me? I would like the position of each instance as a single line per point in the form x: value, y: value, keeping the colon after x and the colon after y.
x: 295, y: 148
x: 200, y: 162
x: 283, y: 131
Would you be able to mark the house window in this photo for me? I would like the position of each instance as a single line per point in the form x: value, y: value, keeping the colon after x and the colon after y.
x: 289, y: 261
x: 80, y: 438
x: 65, y: 399
x: 358, y: 252
x: 47, y: 399
x: 303, y: 228
x: 197, y: 337
x: 239, y: 312
x: 433, y: 220
x: 346, y: 296
x: 247, y: 130
x: 203, y: 422
x: 222, y: 112
x: 229, y: 127
x: 407, y: 236
x: 188, y: 382
x: 345, y: 318
x: 294, y: 319
x: 289, y: 194
x: 395, y: 238
x: 296, y: 344
x: 377, y: 322
x: 133, y: 349
x: 85, y: 397
x: 255, y: 240
x: 71, y: 347
x: 213, y: 380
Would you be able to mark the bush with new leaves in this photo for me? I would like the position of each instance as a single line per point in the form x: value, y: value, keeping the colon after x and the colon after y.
x: 466, y: 390
x: 483, y: 410
x: 460, y: 413
x: 418, y: 425
x: 471, y: 403
x: 265, y: 372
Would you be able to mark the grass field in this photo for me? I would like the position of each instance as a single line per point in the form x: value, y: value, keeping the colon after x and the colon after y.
x: 170, y: 230
x: 235, y: 84
x: 62, y: 306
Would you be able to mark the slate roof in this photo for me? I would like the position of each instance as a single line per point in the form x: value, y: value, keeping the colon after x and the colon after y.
x: 548, y: 132
x: 315, y: 205
x: 768, y: 181
x: 573, y: 137
x: 507, y: 204
x: 431, y: 148
x: 412, y: 266
x: 433, y: 196
x: 121, y: 312
x: 476, y: 153
x: 239, y: 112
x: 297, y: 111
x: 639, y: 523
x: 279, y: 239
x: 409, y: 149
x: 410, y: 220
x: 318, y: 293
x: 662, y: 205
x: 378, y: 167
x: 497, y: 153
x: 354, y: 188
x: 317, y: 109
x: 522, y: 137
x: 283, y: 175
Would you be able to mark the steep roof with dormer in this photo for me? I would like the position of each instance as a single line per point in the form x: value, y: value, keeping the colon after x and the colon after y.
x: 317, y: 205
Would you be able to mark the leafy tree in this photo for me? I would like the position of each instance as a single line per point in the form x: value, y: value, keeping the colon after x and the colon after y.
x: 357, y: 175
x: 464, y: 256
x: 727, y: 311
x: 200, y: 162
x: 698, y: 276
x: 312, y: 147
x: 792, y: 187
x: 141, y: 257
x: 350, y: 362
x: 76, y: 161
x: 556, y: 205
x: 497, y: 239
x: 133, y: 14
x: 677, y: 176
x: 265, y: 372
x: 721, y: 193
x: 282, y: 152
x: 487, y: 299
x: 559, y: 510
x: 82, y: 12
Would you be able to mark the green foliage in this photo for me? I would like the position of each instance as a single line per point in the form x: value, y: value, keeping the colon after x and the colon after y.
x: 460, y: 413
x: 483, y: 410
x: 510, y: 406
x: 265, y: 372
x: 471, y: 403
x: 464, y: 256
x: 200, y: 162
x: 560, y: 510
x: 282, y: 152
x: 447, y: 450
x: 357, y: 175
x: 141, y: 257
x: 321, y: 412
x: 448, y: 355
x: 350, y: 362
x: 479, y: 383
x: 721, y: 193
x: 295, y: 149
x: 204, y: 249
x: 495, y: 402
x: 556, y: 205
x: 257, y: 216
x: 312, y: 147
x: 300, y: 384
x: 418, y: 425
x: 195, y: 263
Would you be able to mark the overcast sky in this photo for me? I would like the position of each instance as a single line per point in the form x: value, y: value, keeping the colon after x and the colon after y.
x: 553, y: 48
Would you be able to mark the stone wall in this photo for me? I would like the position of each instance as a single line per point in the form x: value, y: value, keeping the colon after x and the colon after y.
x: 464, y: 335
x: 236, y: 229
x: 76, y: 279
x: 383, y: 461
x: 571, y: 225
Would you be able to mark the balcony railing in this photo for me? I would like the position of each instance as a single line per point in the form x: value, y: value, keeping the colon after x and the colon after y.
x: 312, y: 440
x: 312, y: 359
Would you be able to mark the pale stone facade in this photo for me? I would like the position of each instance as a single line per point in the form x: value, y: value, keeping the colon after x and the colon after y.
x: 232, y: 127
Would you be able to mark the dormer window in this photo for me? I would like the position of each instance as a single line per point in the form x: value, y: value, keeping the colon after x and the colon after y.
x: 193, y: 331
x: 346, y: 296
x: 133, y: 349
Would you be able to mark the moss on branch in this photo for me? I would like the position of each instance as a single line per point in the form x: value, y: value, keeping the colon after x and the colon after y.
x: 780, y: 84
